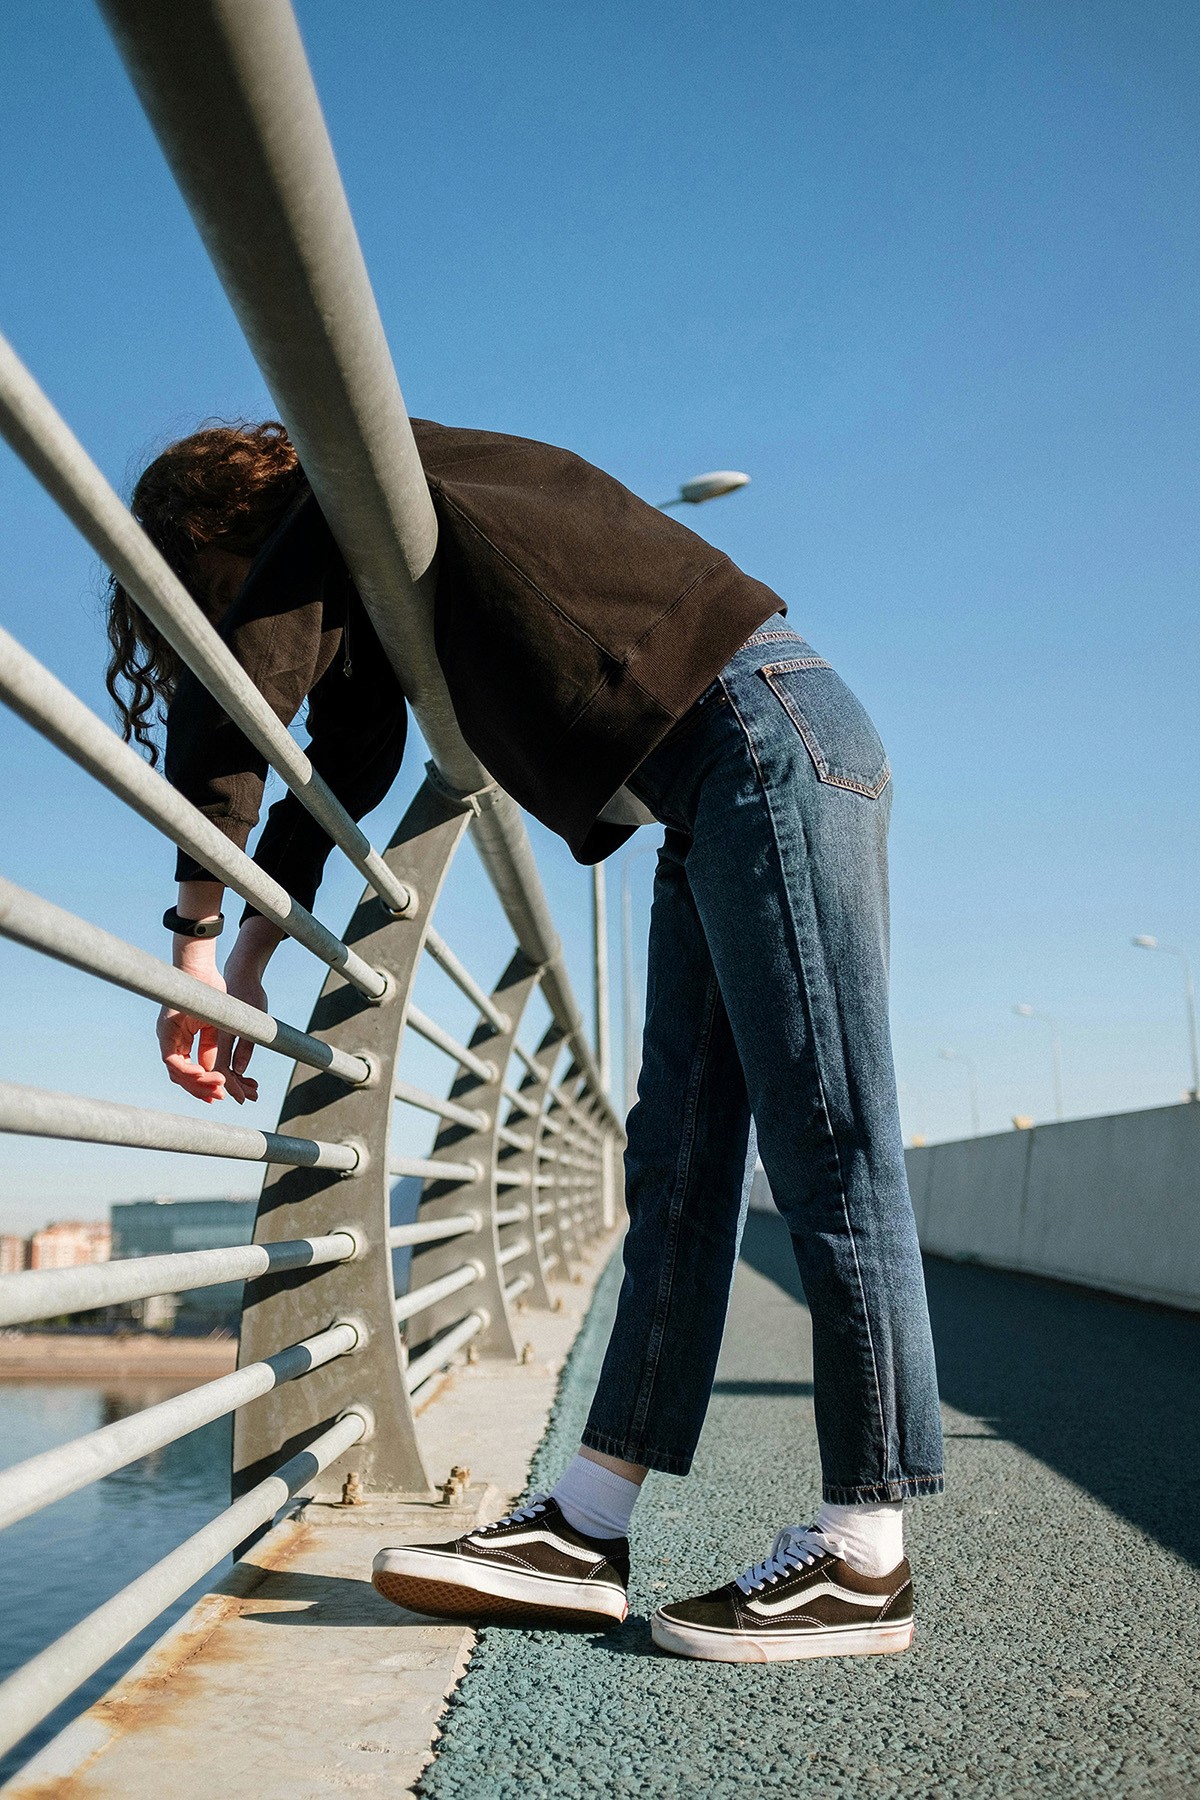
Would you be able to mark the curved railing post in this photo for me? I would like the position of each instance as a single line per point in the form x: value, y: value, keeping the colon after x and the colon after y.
x: 279, y: 1309
x: 526, y: 1160
x: 479, y: 1090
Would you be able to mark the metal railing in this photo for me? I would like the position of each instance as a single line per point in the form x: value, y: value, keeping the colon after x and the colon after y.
x: 518, y: 1178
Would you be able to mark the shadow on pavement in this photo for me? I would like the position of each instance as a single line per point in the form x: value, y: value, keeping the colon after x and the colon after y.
x: 1100, y: 1389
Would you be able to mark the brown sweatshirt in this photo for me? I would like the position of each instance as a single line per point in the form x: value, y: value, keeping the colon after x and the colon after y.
x: 574, y: 624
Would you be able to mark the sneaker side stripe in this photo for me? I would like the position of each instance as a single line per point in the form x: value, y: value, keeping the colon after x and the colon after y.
x: 796, y: 1601
x: 511, y: 1540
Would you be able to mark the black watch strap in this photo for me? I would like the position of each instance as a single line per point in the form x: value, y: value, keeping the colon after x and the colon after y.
x: 194, y: 928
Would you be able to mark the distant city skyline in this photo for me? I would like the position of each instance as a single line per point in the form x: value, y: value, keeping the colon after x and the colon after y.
x: 926, y: 275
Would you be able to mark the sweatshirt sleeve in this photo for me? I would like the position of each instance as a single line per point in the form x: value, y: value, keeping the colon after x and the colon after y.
x: 299, y: 630
x: 357, y: 724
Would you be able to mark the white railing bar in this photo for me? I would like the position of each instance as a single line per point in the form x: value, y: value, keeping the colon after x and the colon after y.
x: 473, y: 1117
x: 583, y: 1145
x: 550, y: 1156
x: 431, y: 1361
x: 520, y: 1102
x: 42, y: 1112
x: 548, y: 1262
x: 433, y: 1033
x: 545, y: 1181
x: 431, y: 1231
x: 577, y: 1130
x: 511, y: 1252
x: 547, y: 1206
x: 429, y: 1169
x: 516, y: 1288
x: 39, y: 1686
x: 534, y: 1067
x: 511, y: 1215
x: 50, y: 450
x: 512, y: 1178
x: 545, y: 1234
x: 284, y: 247
x: 462, y: 978
x: 49, y: 1293
x: 40, y: 925
x: 28, y: 1486
x: 52, y: 709
x: 409, y: 1304
x: 516, y: 1140
x: 551, y: 1124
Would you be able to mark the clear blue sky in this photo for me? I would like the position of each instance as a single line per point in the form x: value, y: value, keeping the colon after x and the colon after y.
x: 927, y: 272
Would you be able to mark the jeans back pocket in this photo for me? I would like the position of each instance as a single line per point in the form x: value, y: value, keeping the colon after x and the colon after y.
x: 836, y: 728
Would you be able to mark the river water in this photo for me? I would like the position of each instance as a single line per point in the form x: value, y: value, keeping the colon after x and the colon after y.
x: 58, y: 1565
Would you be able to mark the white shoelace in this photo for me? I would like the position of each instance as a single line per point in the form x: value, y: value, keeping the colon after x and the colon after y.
x: 535, y: 1504
x: 794, y: 1546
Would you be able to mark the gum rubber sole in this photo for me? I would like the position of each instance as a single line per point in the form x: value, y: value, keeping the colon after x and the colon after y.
x: 447, y: 1600
x: 762, y: 1646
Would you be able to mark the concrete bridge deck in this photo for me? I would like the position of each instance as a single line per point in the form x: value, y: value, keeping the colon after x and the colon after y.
x: 1057, y: 1585
x: 1057, y: 1597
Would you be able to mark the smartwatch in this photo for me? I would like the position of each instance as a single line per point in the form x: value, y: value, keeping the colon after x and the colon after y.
x: 194, y: 928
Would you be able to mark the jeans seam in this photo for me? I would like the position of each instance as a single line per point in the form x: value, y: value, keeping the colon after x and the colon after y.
x: 882, y: 1492
x: 885, y: 1443
x: 682, y: 1170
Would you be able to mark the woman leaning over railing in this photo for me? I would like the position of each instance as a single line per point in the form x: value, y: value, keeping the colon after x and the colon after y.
x: 607, y: 667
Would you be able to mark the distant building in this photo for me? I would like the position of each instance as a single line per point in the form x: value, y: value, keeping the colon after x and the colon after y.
x: 69, y: 1244
x: 14, y: 1253
x: 165, y: 1227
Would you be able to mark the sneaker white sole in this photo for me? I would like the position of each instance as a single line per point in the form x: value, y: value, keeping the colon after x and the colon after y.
x: 443, y: 1585
x: 710, y: 1645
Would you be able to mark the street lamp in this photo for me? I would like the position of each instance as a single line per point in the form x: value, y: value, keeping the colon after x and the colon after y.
x: 972, y: 1083
x: 917, y: 1100
x: 628, y: 985
x: 706, y: 487
x: 1189, y: 998
x: 1028, y: 1012
x: 691, y: 493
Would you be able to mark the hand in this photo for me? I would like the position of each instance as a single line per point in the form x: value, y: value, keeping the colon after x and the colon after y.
x: 178, y: 1031
x: 243, y: 979
x: 255, y: 944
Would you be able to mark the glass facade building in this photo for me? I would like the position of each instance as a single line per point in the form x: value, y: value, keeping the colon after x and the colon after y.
x: 161, y: 1227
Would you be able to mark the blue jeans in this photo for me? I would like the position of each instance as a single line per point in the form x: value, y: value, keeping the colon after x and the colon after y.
x: 767, y: 998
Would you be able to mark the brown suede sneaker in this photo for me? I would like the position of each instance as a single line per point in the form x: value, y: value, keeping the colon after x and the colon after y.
x: 803, y: 1600
x: 529, y: 1565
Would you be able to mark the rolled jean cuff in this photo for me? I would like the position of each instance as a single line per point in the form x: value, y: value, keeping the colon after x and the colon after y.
x: 876, y: 1493
x: 644, y: 1455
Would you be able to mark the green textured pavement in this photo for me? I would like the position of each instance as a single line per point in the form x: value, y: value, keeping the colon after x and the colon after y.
x: 1057, y: 1589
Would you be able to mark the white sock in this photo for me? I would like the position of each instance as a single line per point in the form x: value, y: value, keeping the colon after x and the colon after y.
x: 595, y: 1500
x: 873, y: 1535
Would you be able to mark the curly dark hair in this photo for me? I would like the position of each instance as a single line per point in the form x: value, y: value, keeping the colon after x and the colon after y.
x: 224, y: 488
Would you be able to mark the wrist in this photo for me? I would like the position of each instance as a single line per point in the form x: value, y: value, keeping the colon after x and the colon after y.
x: 255, y: 944
x: 196, y: 956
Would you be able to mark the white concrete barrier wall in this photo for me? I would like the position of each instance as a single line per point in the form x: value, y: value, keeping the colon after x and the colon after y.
x: 1111, y: 1203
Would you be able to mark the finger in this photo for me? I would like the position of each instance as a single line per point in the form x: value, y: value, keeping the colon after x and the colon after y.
x: 207, y: 1048
x: 205, y: 1084
x: 243, y: 1050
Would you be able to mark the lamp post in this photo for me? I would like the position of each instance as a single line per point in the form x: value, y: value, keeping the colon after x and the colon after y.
x: 691, y: 493
x: 1028, y: 1012
x: 972, y: 1083
x: 916, y: 1099
x: 1189, y: 998
x: 706, y: 487
x: 628, y: 982
x: 600, y: 977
